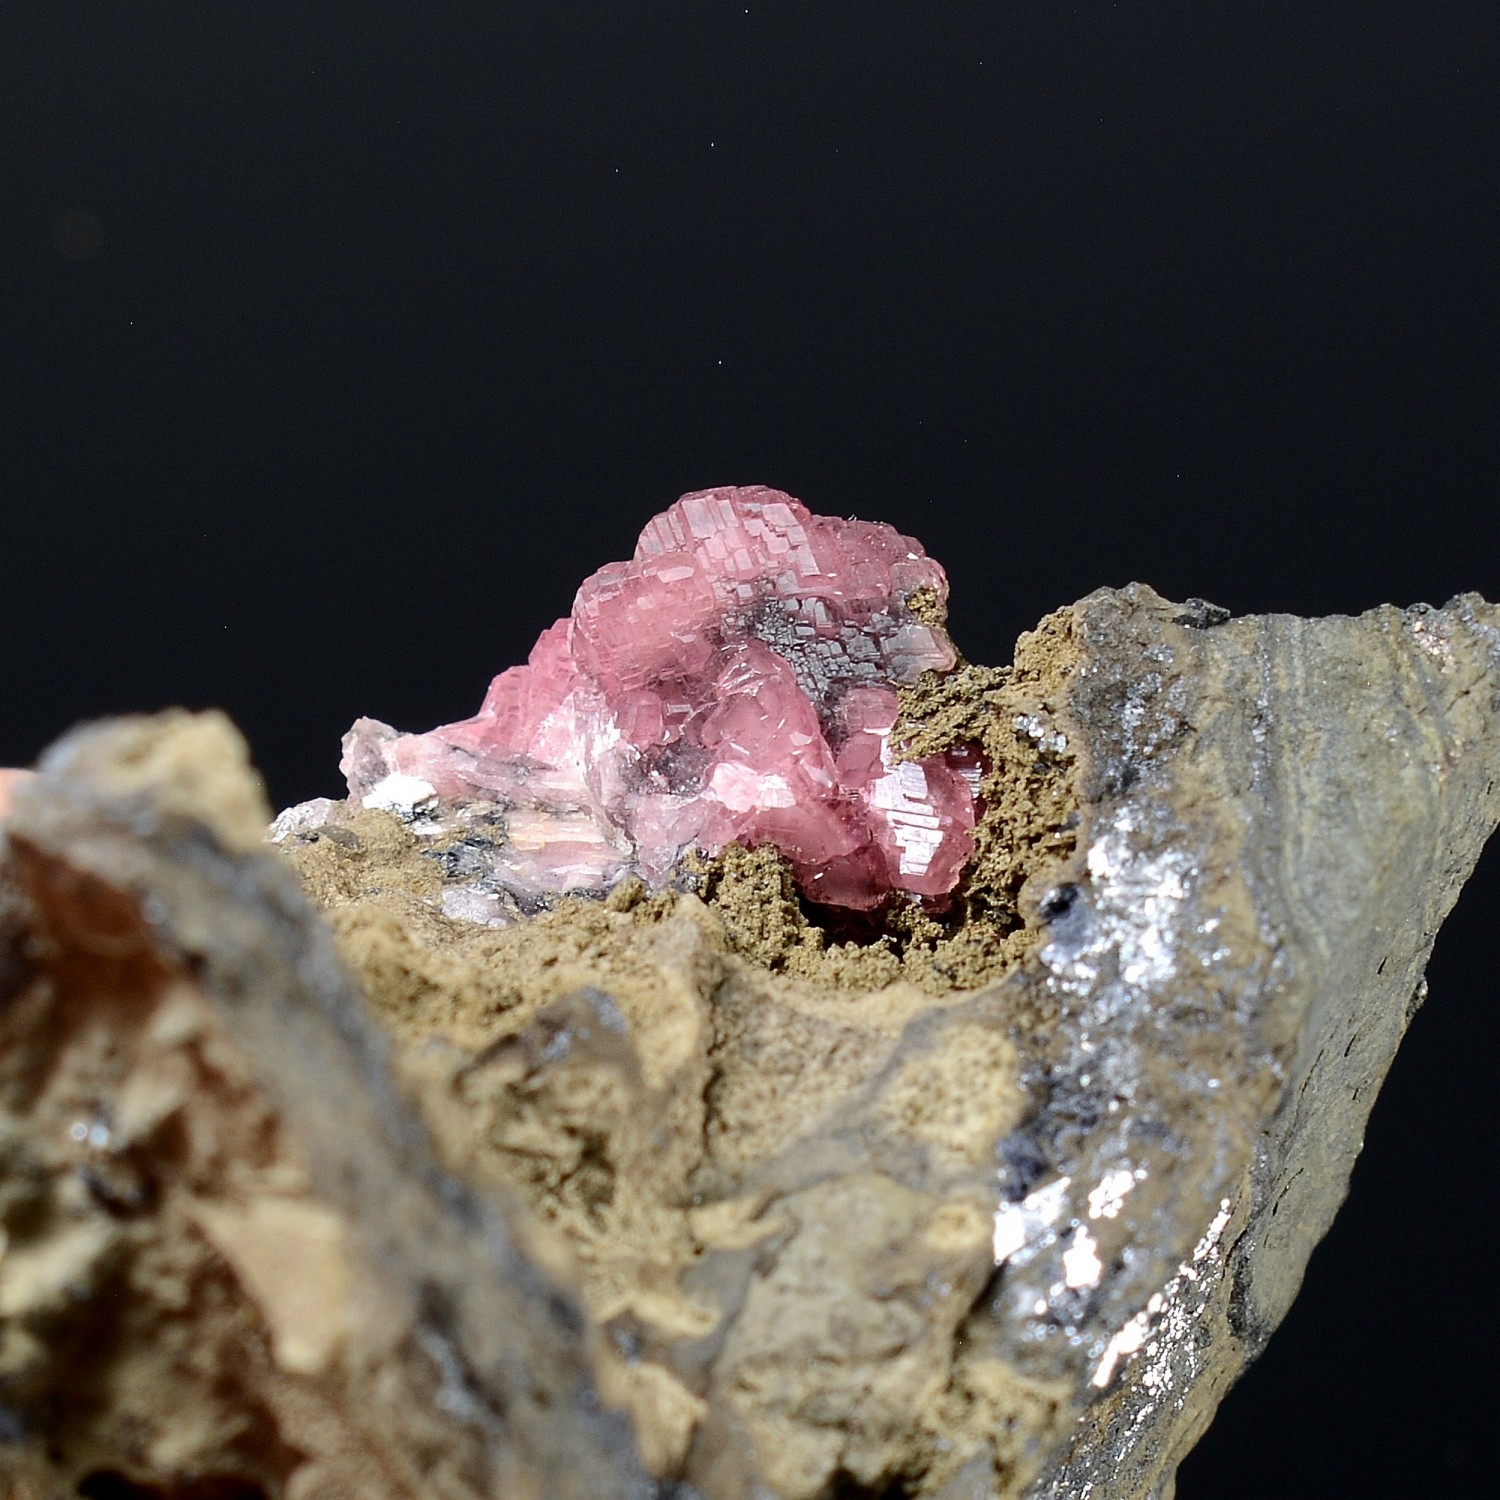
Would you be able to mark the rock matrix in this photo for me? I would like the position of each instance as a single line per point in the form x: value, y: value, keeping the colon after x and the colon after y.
x: 317, y: 1188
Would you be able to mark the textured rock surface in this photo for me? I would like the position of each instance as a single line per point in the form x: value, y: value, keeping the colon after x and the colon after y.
x: 825, y: 1241
x: 1327, y: 785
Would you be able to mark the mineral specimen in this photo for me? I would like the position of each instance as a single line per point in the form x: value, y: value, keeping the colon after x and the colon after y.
x: 735, y: 681
x: 659, y: 1195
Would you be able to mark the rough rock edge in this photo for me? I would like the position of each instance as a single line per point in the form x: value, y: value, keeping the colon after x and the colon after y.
x: 1371, y: 782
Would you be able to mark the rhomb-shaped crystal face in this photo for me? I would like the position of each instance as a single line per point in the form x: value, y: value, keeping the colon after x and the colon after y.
x: 734, y: 681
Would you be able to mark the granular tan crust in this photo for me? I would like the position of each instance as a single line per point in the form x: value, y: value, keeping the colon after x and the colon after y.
x: 1014, y: 715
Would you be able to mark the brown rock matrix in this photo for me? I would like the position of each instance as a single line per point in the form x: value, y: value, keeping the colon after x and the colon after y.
x: 313, y: 1190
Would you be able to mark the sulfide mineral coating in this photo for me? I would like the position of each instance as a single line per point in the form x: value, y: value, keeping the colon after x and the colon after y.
x: 625, y: 1200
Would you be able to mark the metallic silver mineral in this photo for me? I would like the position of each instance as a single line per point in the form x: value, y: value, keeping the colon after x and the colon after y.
x: 1281, y: 813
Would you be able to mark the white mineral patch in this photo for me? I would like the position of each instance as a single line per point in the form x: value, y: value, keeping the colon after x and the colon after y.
x: 1082, y: 1267
x: 1106, y: 1200
x: 1138, y: 897
x: 399, y: 794
x: 1051, y: 741
x: 1020, y: 1224
x: 302, y: 818
x: 472, y: 903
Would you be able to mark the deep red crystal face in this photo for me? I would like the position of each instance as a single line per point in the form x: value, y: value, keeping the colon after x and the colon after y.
x: 735, y: 680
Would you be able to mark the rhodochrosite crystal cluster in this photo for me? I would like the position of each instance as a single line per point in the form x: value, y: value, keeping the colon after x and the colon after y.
x: 734, y: 681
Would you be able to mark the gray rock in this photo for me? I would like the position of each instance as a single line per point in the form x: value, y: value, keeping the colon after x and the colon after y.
x: 1281, y: 813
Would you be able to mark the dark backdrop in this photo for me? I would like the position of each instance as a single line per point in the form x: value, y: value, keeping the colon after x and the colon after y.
x: 338, y: 341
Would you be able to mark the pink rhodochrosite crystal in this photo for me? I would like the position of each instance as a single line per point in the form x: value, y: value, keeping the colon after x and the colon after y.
x: 735, y: 680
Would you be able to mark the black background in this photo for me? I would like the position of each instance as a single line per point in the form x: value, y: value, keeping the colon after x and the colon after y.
x: 339, y: 341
